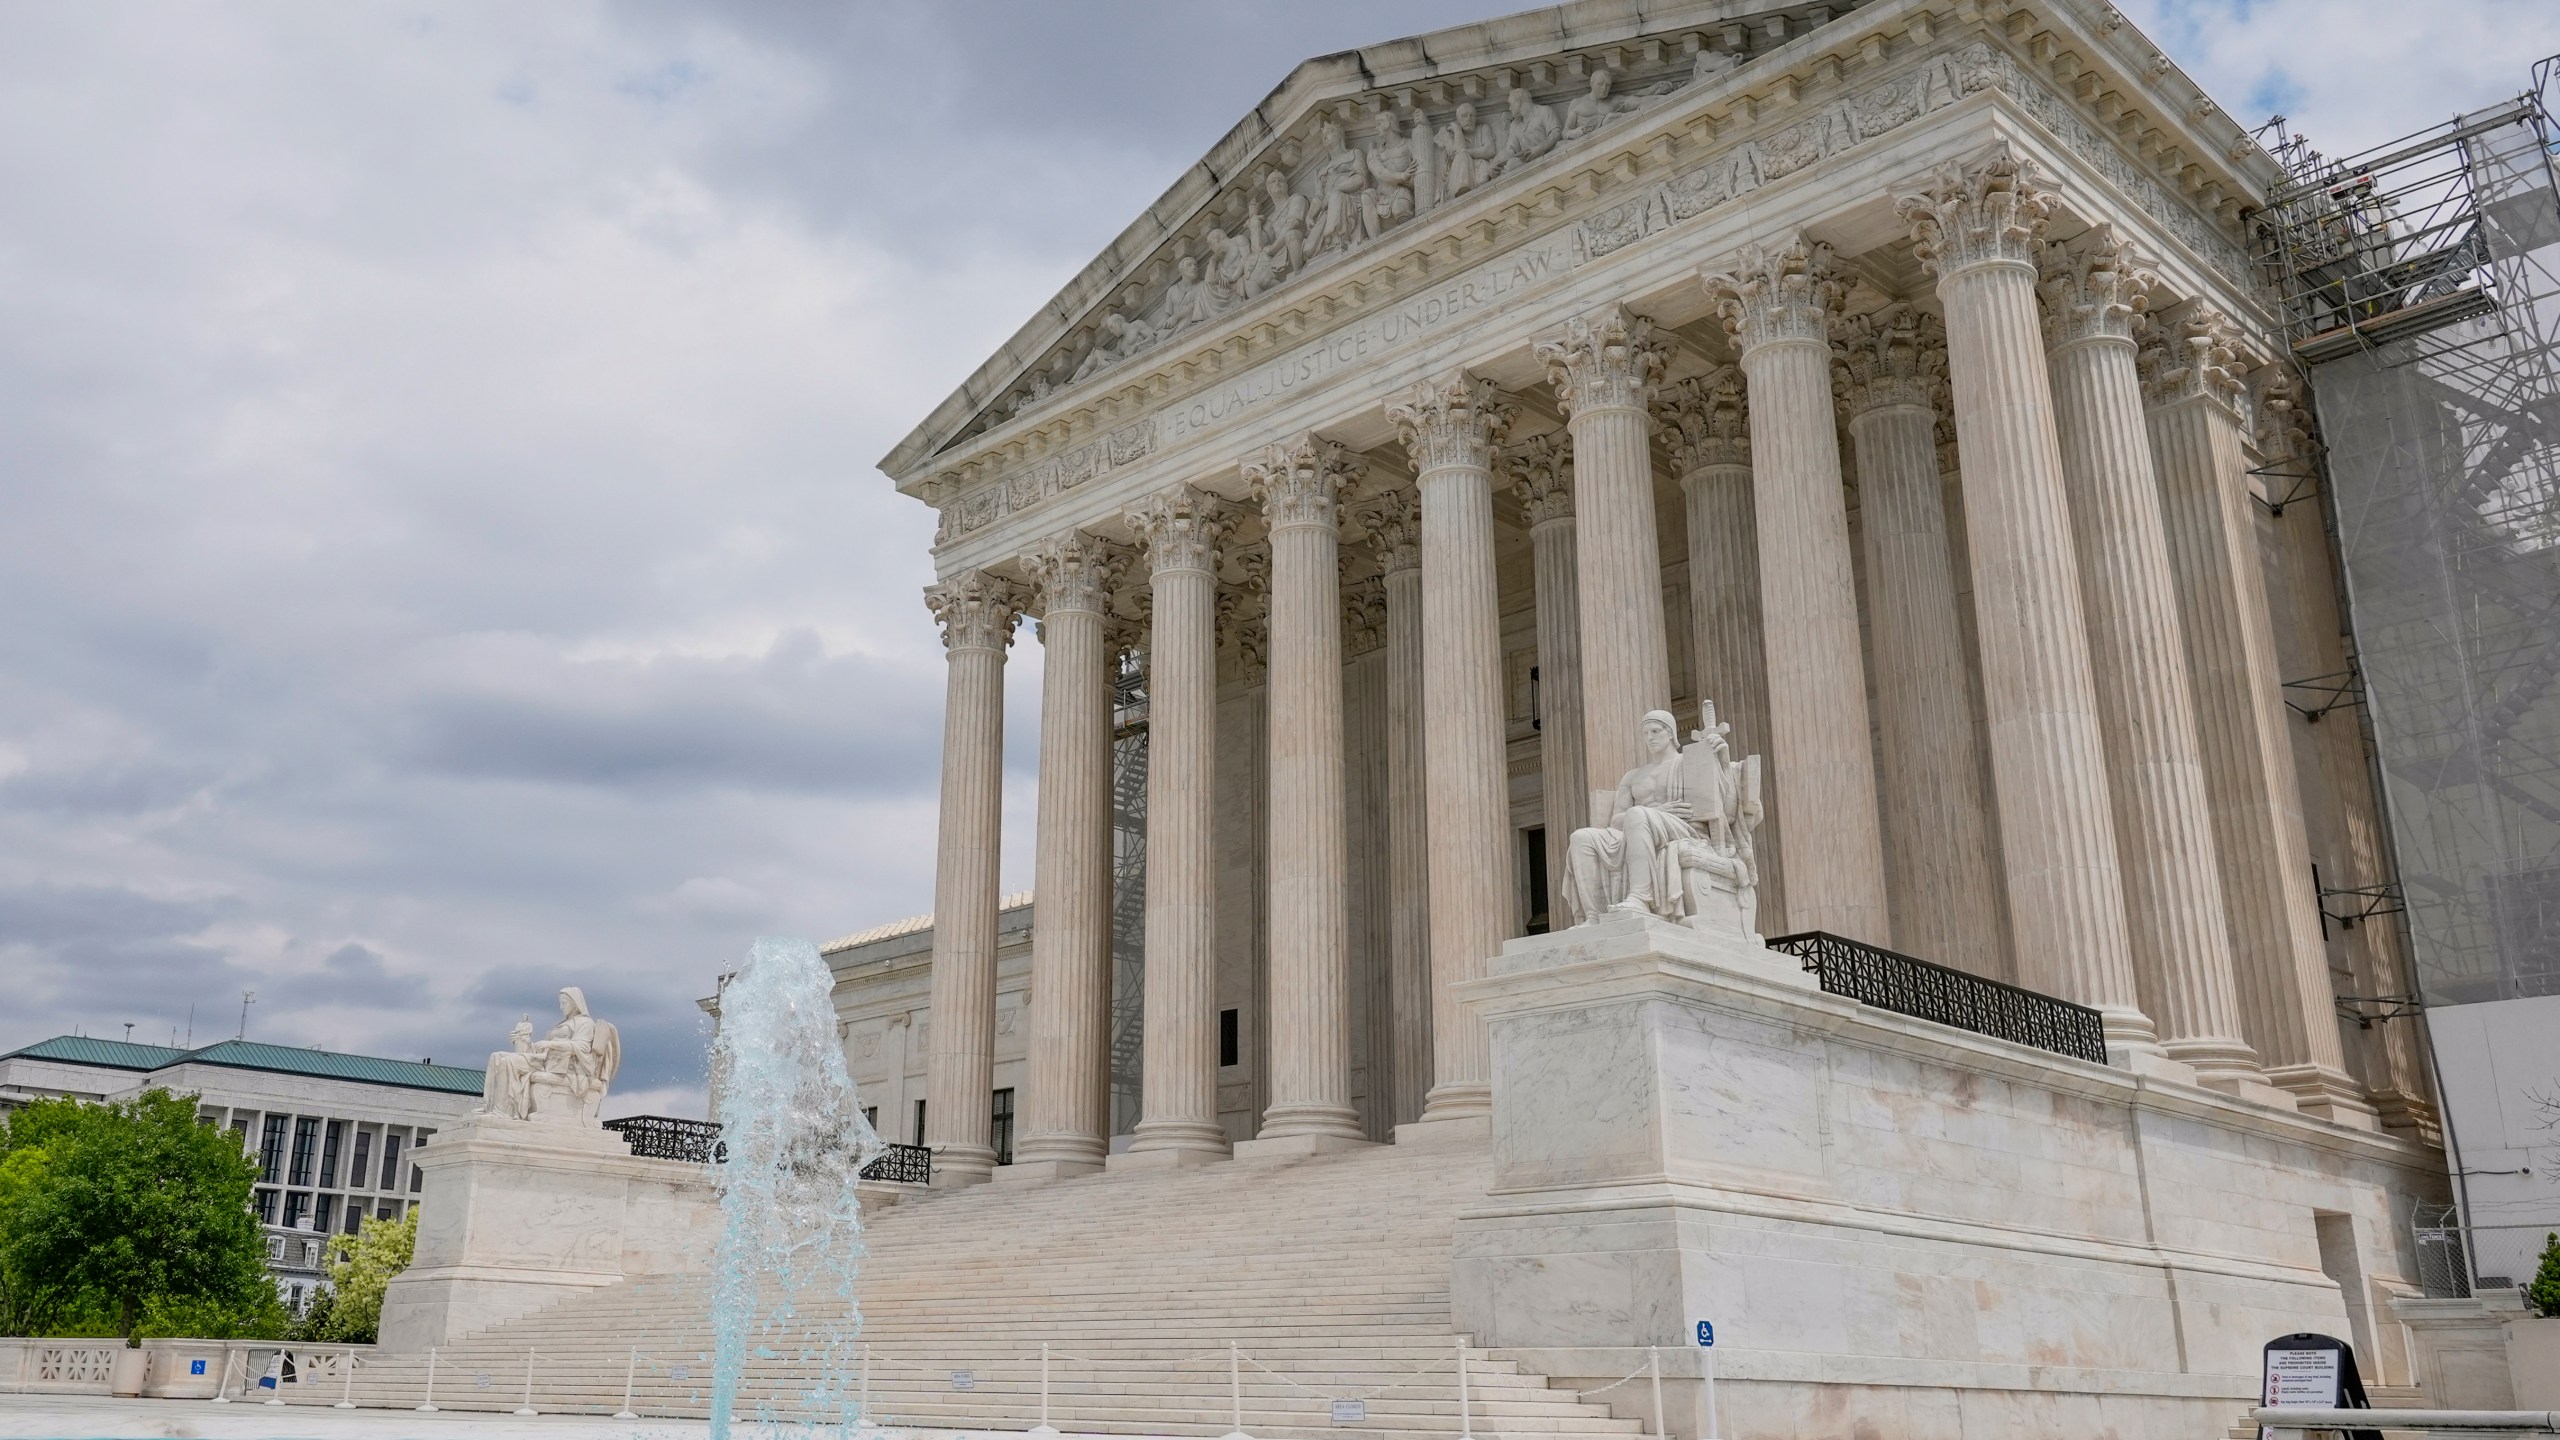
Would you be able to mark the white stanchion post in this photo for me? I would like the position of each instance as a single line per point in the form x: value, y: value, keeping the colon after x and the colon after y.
x: 630, y: 1370
x: 1235, y: 1393
x: 1653, y: 1367
x: 527, y: 1407
x: 1712, y: 1427
x: 221, y: 1382
x: 275, y: 1396
x: 347, y: 1396
x: 429, y: 1407
x: 1044, y: 1428
x: 1466, y: 1408
x: 867, y: 1422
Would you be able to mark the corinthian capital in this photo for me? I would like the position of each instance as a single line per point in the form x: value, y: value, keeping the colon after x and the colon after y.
x: 2094, y: 289
x: 1987, y: 212
x: 1704, y: 422
x: 1364, y: 615
x: 976, y: 610
x: 1607, y: 361
x: 2285, y: 422
x: 1897, y: 356
x: 1074, y: 571
x: 1300, y: 482
x: 1180, y: 529
x: 2199, y: 356
x: 1452, y: 422
x: 1540, y: 470
x: 1774, y: 293
x: 1394, y: 523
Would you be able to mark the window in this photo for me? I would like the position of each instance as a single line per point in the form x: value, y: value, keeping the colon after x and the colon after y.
x: 391, y: 1162
x: 306, y: 1139
x: 919, y: 1138
x: 386, y: 1211
x: 417, y: 1178
x: 294, y: 1203
x: 275, y: 1248
x: 329, y: 1152
x: 240, y: 1127
x: 355, y: 1217
x: 1000, y: 1127
x: 360, y: 1170
x: 324, y: 1211
x: 1534, y: 840
x: 271, y: 1150
x: 266, y: 1202
x: 1230, y: 1044
x: 871, y: 1117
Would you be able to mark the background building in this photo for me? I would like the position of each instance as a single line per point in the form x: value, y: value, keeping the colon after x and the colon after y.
x: 334, y: 1135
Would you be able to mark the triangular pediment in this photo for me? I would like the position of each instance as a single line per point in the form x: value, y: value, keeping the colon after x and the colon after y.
x: 1350, y: 150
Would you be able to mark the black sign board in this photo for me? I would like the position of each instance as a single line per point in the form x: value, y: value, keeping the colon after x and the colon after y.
x: 2309, y: 1371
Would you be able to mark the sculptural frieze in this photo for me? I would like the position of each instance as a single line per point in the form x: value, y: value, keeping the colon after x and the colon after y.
x: 1678, y: 844
x: 560, y: 1078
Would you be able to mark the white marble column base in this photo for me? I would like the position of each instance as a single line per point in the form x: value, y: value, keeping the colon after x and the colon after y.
x: 1452, y: 1130
x: 1031, y: 1172
x: 1186, y: 1158
x: 1296, y: 1147
x: 958, y: 1166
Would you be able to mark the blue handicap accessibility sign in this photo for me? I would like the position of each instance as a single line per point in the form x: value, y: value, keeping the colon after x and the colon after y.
x: 195, y: 1367
x: 1707, y: 1332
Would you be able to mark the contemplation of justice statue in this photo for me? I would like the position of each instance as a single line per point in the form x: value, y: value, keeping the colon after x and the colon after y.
x: 560, y: 1077
x: 1679, y: 839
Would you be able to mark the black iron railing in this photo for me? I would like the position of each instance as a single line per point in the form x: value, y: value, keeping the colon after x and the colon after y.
x: 1909, y: 986
x: 664, y: 1137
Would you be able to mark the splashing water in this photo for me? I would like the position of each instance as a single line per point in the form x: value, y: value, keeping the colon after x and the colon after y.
x: 791, y: 1228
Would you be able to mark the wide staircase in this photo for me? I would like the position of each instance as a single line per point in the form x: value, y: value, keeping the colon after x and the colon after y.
x: 1166, y: 1300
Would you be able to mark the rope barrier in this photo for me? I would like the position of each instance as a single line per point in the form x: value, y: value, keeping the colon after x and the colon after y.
x: 1362, y: 1395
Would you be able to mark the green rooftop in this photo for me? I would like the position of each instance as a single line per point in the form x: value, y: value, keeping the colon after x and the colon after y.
x: 252, y: 1055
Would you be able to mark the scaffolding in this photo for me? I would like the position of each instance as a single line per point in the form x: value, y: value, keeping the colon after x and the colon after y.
x: 1128, y: 888
x: 2420, y: 285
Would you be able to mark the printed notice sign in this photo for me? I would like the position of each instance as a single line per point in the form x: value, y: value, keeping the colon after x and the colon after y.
x: 2302, y: 1379
x: 964, y: 1379
x: 1350, y: 1412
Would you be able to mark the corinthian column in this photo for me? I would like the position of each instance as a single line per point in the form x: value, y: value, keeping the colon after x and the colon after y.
x: 977, y: 612
x: 1451, y: 427
x: 1603, y: 370
x: 1977, y: 228
x: 1541, y: 473
x: 1178, y: 1087
x: 1394, y: 522
x: 1066, y: 1108
x: 2194, y: 383
x: 2137, y: 651
x: 1300, y: 486
x: 1777, y: 306
x: 1891, y: 369
x: 1704, y: 423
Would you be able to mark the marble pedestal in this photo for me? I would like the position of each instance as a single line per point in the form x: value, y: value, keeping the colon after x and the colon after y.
x: 1897, y: 1227
x: 517, y: 1214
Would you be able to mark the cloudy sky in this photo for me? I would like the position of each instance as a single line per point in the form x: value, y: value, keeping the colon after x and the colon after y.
x: 441, y: 555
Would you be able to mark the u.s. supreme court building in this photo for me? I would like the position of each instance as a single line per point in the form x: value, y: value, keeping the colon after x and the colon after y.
x: 1542, y: 505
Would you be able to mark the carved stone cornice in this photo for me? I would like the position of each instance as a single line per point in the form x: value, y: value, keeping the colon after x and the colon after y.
x: 1777, y: 293
x: 2094, y: 289
x: 1539, y: 471
x: 1895, y: 357
x: 1608, y: 361
x: 1074, y: 571
x: 1301, y: 481
x: 1180, y: 529
x: 1457, y: 421
x: 976, y: 610
x: 2201, y: 355
x: 1364, y: 616
x: 1394, y: 522
x: 1704, y: 421
x: 1990, y: 211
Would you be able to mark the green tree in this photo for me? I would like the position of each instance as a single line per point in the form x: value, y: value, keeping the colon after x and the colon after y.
x: 361, y: 1266
x: 131, y: 1204
x: 2544, y: 1293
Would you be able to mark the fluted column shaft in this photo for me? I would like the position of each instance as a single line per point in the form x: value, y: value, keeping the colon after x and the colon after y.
x: 1395, y: 528
x: 1310, y: 938
x: 1936, y: 811
x: 1066, y: 1112
x: 2137, y: 652
x: 1542, y: 478
x: 1451, y: 428
x: 1977, y: 228
x: 1778, y: 307
x: 1603, y: 370
x: 2287, y: 1007
x: 1178, y: 1089
x: 977, y: 613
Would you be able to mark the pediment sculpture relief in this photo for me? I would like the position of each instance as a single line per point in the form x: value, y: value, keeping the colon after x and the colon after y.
x: 1678, y: 841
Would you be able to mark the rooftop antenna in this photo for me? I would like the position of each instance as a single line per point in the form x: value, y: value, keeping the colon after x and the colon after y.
x: 247, y: 999
x: 128, y: 1032
x: 191, y: 1025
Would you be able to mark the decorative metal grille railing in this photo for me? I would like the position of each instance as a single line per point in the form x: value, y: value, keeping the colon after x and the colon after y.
x: 1908, y: 986
x: 665, y: 1137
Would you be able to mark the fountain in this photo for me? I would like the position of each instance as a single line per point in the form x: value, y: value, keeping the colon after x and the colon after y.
x: 791, y: 1227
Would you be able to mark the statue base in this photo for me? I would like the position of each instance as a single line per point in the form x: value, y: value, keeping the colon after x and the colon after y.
x: 517, y: 1214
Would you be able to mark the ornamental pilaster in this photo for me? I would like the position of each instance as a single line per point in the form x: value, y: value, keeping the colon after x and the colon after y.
x: 1776, y: 294
x: 1991, y: 211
